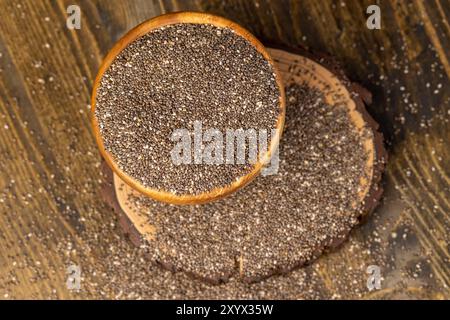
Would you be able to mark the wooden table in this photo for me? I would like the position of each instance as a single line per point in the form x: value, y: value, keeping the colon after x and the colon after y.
x: 51, y: 214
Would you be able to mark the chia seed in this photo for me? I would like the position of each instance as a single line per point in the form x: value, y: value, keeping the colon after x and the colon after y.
x: 168, y: 79
x: 278, y: 222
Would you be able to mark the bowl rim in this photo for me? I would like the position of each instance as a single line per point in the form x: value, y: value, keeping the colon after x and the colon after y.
x: 196, y: 18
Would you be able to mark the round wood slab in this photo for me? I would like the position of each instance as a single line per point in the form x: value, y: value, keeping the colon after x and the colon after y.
x: 325, y: 76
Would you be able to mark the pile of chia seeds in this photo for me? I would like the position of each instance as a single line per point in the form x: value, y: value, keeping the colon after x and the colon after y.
x: 278, y: 222
x: 167, y: 80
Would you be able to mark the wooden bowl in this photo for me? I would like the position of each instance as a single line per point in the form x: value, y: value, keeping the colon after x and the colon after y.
x: 196, y: 18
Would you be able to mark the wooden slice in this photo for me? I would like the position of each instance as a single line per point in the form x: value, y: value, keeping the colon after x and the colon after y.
x: 219, y: 191
x: 337, y: 90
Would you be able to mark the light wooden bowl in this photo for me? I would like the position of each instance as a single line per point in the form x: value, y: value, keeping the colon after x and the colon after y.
x: 197, y: 18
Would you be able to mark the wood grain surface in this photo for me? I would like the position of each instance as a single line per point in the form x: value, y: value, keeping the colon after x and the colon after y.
x: 51, y: 215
